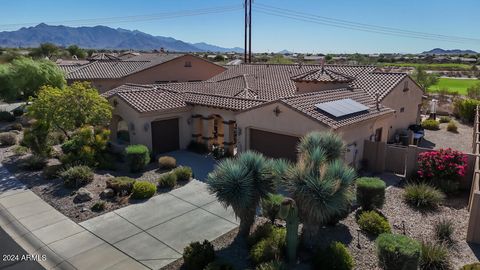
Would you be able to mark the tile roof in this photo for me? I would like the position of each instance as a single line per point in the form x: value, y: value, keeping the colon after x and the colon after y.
x: 322, y: 75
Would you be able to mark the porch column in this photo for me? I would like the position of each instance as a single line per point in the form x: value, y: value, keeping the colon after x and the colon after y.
x: 197, y: 131
x: 229, y: 136
x: 207, y: 136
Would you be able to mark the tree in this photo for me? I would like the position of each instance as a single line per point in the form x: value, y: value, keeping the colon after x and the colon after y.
x: 241, y: 183
x: 279, y: 59
x: 424, y: 79
x: 77, y: 51
x: 45, y: 50
x: 70, y: 108
x: 6, y: 90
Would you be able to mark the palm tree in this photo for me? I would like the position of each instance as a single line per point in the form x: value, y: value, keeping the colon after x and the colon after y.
x: 241, y: 183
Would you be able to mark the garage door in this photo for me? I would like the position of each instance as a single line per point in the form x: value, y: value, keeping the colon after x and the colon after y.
x: 274, y: 145
x: 165, y: 136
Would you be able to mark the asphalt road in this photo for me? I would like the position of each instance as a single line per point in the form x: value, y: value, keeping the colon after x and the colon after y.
x: 11, y: 255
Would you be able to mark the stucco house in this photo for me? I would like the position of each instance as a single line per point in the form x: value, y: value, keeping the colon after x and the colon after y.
x: 106, y: 72
x: 268, y: 108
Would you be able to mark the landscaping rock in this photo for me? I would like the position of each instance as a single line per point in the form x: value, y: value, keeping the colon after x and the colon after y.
x: 83, y: 195
x: 107, y: 193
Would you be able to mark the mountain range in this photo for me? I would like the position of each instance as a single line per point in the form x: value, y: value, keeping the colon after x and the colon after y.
x: 442, y: 51
x: 101, y: 37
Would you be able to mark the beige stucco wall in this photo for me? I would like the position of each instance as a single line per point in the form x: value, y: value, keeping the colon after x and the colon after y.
x: 409, y: 100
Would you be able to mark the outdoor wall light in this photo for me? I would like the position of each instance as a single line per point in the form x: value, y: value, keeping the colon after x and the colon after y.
x: 132, y: 126
x: 146, y: 126
x: 277, y: 111
x: 239, y: 131
x: 189, y: 121
x: 115, y: 103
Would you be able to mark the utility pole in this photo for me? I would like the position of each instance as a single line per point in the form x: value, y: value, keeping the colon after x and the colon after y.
x: 246, y: 28
x: 247, y: 58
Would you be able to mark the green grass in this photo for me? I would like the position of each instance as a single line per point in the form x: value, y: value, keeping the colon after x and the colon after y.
x: 458, y: 85
x: 438, y: 66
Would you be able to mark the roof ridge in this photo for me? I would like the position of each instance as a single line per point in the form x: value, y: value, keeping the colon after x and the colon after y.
x: 83, y: 66
x: 222, y: 96
x: 319, y: 92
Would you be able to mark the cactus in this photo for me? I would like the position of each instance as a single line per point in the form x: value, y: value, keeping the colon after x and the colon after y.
x: 289, y: 212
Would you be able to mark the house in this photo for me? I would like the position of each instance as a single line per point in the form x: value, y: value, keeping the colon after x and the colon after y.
x: 268, y: 108
x: 107, y: 71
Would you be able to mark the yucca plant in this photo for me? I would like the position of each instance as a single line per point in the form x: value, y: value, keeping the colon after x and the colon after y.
x: 241, y: 183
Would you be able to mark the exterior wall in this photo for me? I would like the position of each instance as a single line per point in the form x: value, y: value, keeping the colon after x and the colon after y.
x: 306, y: 87
x: 408, y: 100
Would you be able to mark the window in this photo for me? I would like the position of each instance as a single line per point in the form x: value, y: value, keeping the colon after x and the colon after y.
x: 378, y: 135
x: 188, y: 64
x: 402, y: 109
x: 405, y: 86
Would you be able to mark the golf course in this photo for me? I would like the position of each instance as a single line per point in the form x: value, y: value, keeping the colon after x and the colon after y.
x: 453, y: 85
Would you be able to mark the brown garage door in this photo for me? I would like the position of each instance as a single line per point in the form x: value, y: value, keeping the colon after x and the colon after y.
x: 273, y: 144
x: 165, y: 136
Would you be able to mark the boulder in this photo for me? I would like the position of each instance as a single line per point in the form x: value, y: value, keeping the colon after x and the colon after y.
x: 107, y: 193
x: 83, y: 195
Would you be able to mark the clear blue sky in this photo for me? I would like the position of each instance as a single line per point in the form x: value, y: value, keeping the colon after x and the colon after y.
x: 271, y: 33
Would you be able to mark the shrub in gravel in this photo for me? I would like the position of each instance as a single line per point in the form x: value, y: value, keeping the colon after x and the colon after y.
x: 397, y: 252
x: 167, y: 180
x: 444, y: 119
x: 434, y: 256
x: 20, y: 150
x: 6, y: 116
x: 121, y: 185
x: 16, y: 126
x: 272, y: 265
x: 431, y: 124
x: 197, y: 256
x: 452, y: 127
x: 444, y: 230
x: 423, y: 196
x: 472, y: 266
x: 8, y: 139
x: 143, y: 190
x: 336, y: 256
x: 53, y: 171
x: 219, y: 266
x: 271, y: 206
x: 269, y: 248
x: 167, y: 163
x: 138, y: 157
x: 370, y: 192
x: 34, y: 163
x: 77, y: 176
x: 98, y: 206
x: 183, y: 173
x: 261, y: 232
x: 373, y: 223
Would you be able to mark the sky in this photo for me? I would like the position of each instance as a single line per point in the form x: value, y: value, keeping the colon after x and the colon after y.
x: 271, y: 33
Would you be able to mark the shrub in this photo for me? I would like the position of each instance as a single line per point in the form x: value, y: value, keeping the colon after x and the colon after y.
x: 6, y: 117
x: 167, y: 180
x: 444, y: 119
x: 143, y: 190
x: 20, y: 150
x: 183, y: 173
x: 452, y: 127
x: 271, y: 206
x: 167, y: 163
x: 34, y: 163
x: 444, y: 230
x: 434, y: 256
x: 8, y: 139
x: 98, y: 206
x: 57, y: 137
x: 370, y: 192
x: 198, y: 255
x: 423, y: 196
x: 396, y: 251
x: 52, y: 171
x: 16, y: 126
x: 431, y: 124
x: 373, y: 223
x: 121, y: 185
x: 272, y: 265
x: 77, y: 176
x: 37, y: 139
x: 218, y: 266
x: 138, y: 157
x: 336, y: 256
x: 86, y: 146
x: 270, y: 248
x: 197, y: 147
x: 466, y: 108
x: 473, y: 266
x: 261, y: 232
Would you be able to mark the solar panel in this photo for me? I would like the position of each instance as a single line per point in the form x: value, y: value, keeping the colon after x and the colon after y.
x: 342, y: 107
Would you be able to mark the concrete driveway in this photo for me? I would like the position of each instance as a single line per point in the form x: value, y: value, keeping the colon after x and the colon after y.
x: 156, y: 232
x: 201, y: 165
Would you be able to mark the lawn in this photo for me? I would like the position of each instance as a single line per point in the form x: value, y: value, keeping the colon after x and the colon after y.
x: 437, y: 66
x: 458, y: 85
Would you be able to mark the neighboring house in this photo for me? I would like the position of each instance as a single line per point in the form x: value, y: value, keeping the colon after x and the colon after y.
x: 108, y: 71
x: 268, y: 108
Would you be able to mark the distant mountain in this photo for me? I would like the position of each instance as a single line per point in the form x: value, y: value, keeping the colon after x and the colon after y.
x: 285, y: 52
x: 442, y: 51
x: 99, y: 37
x: 212, y: 48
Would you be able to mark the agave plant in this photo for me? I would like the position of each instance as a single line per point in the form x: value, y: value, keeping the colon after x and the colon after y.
x: 241, y: 183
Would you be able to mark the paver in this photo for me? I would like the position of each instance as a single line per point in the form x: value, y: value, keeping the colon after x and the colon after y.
x: 57, y: 231
x: 75, y: 244
x: 110, y: 227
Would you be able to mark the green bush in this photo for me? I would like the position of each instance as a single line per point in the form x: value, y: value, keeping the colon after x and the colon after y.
x: 472, y: 266
x: 6, y: 117
x: 34, y: 163
x: 370, y: 192
x: 98, y: 206
x: 37, y: 139
x: 444, y: 119
x: 431, y: 124
x: 183, y: 173
x: 167, y: 180
x: 272, y: 265
x: 336, y: 256
x: 270, y: 248
x: 218, y: 266
x: 143, y: 190
x: 77, y: 176
x: 373, y: 223
x: 396, y: 251
x: 138, y: 157
x: 466, y: 108
x: 423, y: 196
x: 261, y: 232
x: 197, y: 256
x: 53, y: 171
x: 121, y: 185
x: 444, y: 230
x: 167, y: 163
x: 452, y: 127
x: 8, y: 139
x: 20, y: 150
x: 434, y: 256
x: 271, y: 206
x: 86, y: 146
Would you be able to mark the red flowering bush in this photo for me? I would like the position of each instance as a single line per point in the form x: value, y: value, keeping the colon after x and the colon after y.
x: 442, y: 168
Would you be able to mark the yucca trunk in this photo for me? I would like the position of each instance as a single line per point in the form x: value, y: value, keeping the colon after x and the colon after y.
x: 309, y: 235
x: 247, y: 219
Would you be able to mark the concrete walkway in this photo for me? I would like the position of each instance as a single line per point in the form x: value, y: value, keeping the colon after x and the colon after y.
x: 201, y: 165
x: 41, y: 230
x: 156, y: 232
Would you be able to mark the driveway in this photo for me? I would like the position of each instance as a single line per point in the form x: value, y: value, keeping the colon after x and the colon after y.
x: 201, y: 165
x: 156, y: 232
